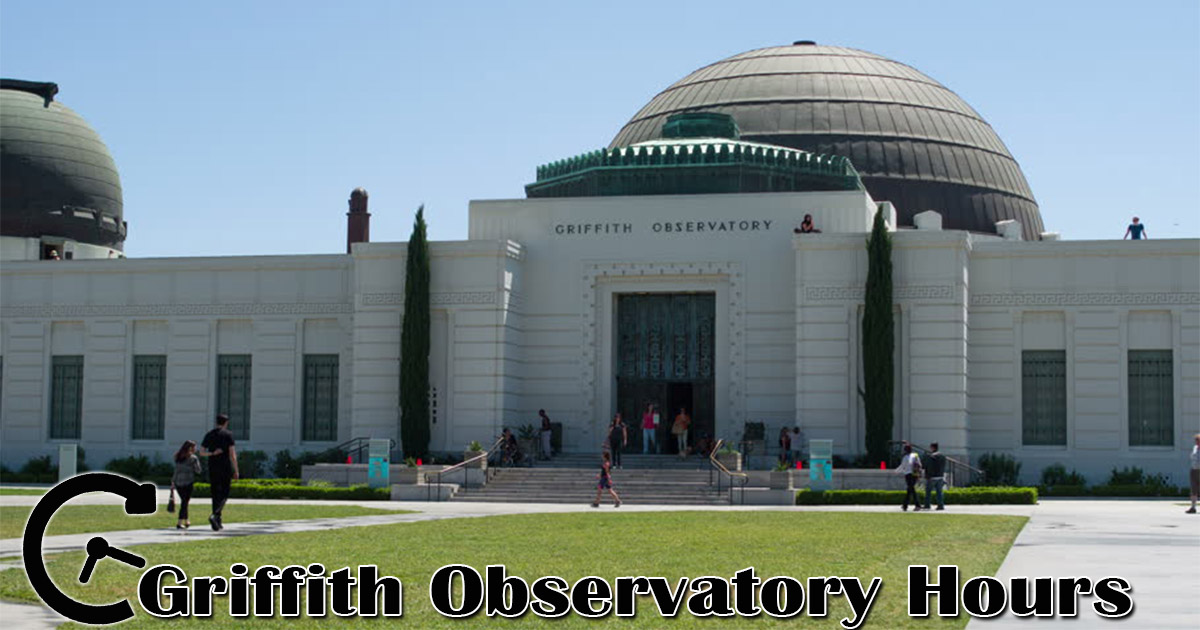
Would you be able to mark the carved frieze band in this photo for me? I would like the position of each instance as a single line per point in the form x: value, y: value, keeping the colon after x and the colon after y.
x: 436, y: 299
x: 63, y: 311
x: 853, y: 293
x: 1083, y: 299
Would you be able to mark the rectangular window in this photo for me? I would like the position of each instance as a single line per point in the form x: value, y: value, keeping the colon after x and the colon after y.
x: 1151, y: 398
x: 233, y: 392
x: 320, y: 397
x: 149, y: 396
x: 1044, y: 397
x: 66, y: 397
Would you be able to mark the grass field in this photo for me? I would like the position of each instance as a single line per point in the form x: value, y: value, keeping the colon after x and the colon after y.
x: 83, y: 519
x: 22, y: 492
x: 608, y: 545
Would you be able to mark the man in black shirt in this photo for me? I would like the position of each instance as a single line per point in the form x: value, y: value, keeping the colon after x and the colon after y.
x: 935, y: 476
x: 222, y: 466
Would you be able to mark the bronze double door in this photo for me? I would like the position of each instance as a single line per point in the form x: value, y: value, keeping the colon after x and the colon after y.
x: 665, y: 356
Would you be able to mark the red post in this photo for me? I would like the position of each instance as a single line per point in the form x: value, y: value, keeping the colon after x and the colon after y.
x: 799, y: 465
x: 882, y: 465
x: 348, y: 460
x: 418, y: 461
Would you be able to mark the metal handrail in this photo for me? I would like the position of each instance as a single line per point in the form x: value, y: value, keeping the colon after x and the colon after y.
x: 438, y: 475
x: 355, y: 446
x: 716, y: 466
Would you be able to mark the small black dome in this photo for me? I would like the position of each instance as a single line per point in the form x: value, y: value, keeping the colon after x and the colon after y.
x: 56, y: 176
x: 913, y: 141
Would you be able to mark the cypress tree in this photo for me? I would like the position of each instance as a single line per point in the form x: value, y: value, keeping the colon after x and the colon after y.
x: 878, y: 341
x: 414, y: 345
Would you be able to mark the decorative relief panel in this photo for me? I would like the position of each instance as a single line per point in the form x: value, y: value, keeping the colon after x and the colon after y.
x: 1083, y: 299
x: 856, y: 293
x: 730, y: 272
x: 435, y: 299
x: 72, y: 311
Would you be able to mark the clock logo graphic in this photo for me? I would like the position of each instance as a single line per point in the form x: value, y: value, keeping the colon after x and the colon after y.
x: 139, y: 499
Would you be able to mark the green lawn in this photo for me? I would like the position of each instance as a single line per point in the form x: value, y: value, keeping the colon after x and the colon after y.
x: 22, y: 492
x: 82, y: 519
x: 610, y: 544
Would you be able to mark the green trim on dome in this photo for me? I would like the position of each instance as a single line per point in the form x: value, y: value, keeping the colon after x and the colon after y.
x: 693, y: 166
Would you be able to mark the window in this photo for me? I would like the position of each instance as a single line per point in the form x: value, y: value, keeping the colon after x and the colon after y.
x: 1151, y: 398
x: 320, y: 397
x: 66, y: 397
x: 1044, y: 397
x: 233, y: 392
x: 149, y: 396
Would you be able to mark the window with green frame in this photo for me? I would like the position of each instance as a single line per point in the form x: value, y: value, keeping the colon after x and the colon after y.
x: 1044, y: 397
x: 149, y: 396
x: 66, y: 397
x: 320, y: 398
x: 1151, y: 398
x: 233, y: 392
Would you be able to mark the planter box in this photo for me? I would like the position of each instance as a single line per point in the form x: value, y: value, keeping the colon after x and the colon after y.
x: 780, y: 480
x: 732, y: 461
x: 479, y: 464
x: 406, y: 476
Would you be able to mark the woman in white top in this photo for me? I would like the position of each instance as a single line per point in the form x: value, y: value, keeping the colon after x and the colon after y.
x: 910, y: 467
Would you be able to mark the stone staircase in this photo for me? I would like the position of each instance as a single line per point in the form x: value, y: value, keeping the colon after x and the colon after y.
x: 571, y: 478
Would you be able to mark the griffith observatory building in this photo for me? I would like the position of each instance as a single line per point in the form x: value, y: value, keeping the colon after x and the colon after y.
x: 665, y: 267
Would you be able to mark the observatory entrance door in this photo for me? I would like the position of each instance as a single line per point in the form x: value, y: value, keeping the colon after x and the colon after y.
x: 666, y: 357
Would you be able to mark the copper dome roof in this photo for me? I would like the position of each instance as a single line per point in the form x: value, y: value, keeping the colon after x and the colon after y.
x: 913, y: 141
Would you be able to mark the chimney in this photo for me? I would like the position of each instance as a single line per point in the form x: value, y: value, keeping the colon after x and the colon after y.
x: 358, y: 220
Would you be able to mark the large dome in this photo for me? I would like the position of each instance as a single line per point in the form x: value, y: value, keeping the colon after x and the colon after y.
x: 913, y: 141
x: 56, y: 176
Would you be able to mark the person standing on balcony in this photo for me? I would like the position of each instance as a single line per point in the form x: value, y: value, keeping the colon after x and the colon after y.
x: 935, y: 476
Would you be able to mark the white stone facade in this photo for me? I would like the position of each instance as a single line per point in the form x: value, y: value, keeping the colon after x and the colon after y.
x: 523, y: 318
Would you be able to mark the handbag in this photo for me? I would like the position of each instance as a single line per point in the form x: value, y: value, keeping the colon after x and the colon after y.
x: 171, y: 501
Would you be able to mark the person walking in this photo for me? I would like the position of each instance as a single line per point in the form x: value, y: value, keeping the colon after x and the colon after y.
x: 218, y: 447
x: 648, y: 426
x: 680, y: 430
x: 1194, y: 474
x: 1136, y: 231
x: 605, y: 482
x: 935, y: 476
x: 547, y: 431
x: 187, y: 466
x: 618, y: 438
x: 910, y: 467
x: 785, y: 447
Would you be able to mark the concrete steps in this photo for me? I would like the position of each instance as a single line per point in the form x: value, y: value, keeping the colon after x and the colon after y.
x: 642, y: 480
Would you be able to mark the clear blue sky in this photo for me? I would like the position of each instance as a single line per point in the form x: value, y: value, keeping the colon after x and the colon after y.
x: 241, y: 127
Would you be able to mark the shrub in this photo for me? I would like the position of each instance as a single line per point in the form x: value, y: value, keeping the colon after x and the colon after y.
x: 978, y: 495
x: 1057, y: 475
x: 1064, y: 490
x: 140, y: 467
x: 39, y: 466
x: 1138, y: 490
x: 999, y: 469
x: 251, y: 464
x: 1130, y: 476
x: 243, y: 490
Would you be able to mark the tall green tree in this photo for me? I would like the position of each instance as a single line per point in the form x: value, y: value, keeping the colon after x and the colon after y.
x: 878, y: 341
x: 414, y: 345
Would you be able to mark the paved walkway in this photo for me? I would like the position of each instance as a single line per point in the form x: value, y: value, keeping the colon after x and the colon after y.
x: 1150, y: 543
x: 1153, y: 544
